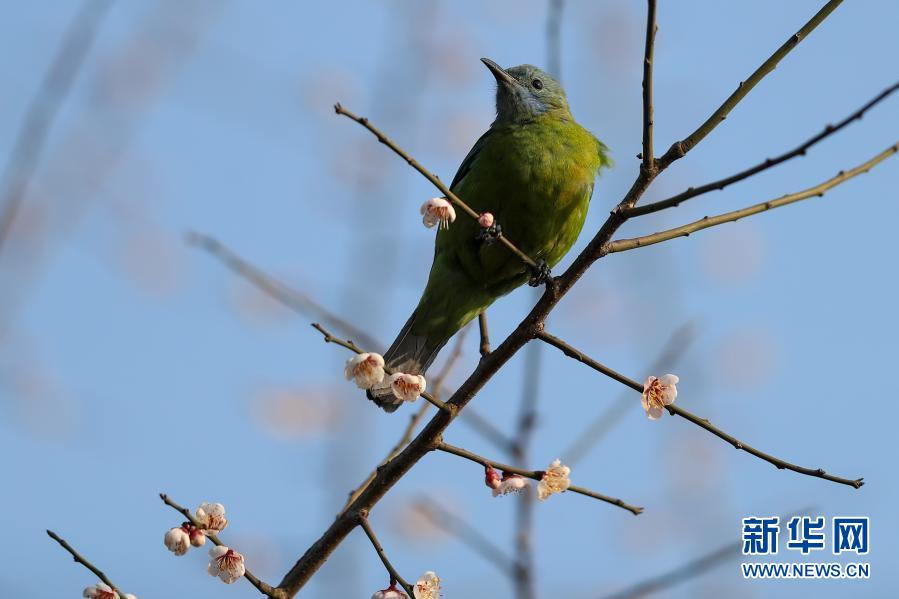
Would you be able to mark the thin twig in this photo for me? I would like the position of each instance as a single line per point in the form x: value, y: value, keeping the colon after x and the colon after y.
x: 45, y: 106
x: 532, y: 474
x: 329, y: 338
x: 289, y: 296
x: 711, y: 221
x: 484, y: 346
x: 680, y: 148
x: 262, y: 587
x: 394, y: 575
x: 800, y: 150
x: 81, y: 560
x: 430, y: 177
x: 651, y: 29
x: 470, y: 536
x: 704, y: 423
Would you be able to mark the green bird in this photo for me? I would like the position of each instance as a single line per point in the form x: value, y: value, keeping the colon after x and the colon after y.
x: 533, y: 170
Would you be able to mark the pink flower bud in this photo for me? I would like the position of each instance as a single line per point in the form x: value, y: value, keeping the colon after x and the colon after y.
x: 486, y: 220
x: 491, y: 477
x: 197, y: 538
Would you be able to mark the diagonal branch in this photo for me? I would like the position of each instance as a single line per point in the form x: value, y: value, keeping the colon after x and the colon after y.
x: 262, y: 587
x: 532, y: 474
x: 379, y: 549
x: 680, y: 148
x: 704, y: 423
x: 711, y: 221
x: 81, y: 560
x: 800, y: 150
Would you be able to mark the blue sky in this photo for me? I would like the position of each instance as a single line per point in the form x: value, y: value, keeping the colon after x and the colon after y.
x: 132, y: 363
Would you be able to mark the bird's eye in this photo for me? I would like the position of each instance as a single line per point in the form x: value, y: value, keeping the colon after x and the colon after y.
x: 537, y: 84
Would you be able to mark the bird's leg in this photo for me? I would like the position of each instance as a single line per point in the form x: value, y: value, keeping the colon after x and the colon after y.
x: 540, y: 274
x: 489, y: 234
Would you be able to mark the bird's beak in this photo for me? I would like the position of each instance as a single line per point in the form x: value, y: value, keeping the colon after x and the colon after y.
x: 501, y: 75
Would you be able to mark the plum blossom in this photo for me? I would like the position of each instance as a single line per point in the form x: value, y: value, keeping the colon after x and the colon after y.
x: 197, y: 537
x: 367, y: 369
x: 486, y: 220
x: 511, y: 483
x: 437, y: 211
x: 658, y: 393
x: 226, y: 563
x: 407, y: 387
x: 491, y: 477
x: 555, y: 480
x: 390, y: 592
x: 100, y: 591
x: 177, y: 540
x: 211, y: 518
x: 427, y: 587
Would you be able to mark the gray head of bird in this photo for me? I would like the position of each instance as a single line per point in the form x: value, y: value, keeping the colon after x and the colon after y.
x: 525, y: 92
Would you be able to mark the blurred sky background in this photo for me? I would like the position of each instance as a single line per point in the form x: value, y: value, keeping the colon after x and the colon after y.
x: 132, y: 363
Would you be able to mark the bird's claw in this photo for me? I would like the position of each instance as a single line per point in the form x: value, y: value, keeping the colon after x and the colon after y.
x: 540, y: 274
x: 489, y: 234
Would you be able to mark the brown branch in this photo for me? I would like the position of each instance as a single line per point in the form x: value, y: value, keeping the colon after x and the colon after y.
x: 800, y: 150
x: 532, y: 474
x: 379, y: 549
x: 81, y: 560
x: 704, y: 423
x: 316, y: 555
x: 329, y: 338
x: 680, y: 148
x: 290, y: 297
x: 45, y: 106
x: 484, y: 346
x: 262, y: 587
x: 651, y: 29
x: 711, y: 221
x: 435, y: 181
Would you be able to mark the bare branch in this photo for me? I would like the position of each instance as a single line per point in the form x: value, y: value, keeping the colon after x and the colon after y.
x: 45, y: 106
x: 704, y: 423
x: 484, y: 346
x: 710, y: 221
x: 532, y: 474
x: 262, y: 587
x: 651, y: 29
x: 800, y: 150
x: 394, y: 575
x: 680, y: 148
x: 81, y: 560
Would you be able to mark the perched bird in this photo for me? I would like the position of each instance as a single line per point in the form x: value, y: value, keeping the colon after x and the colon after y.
x: 533, y: 170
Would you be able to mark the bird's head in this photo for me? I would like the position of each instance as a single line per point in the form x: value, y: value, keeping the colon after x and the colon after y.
x: 525, y: 92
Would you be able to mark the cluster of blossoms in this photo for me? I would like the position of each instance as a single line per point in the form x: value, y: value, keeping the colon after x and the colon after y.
x: 226, y: 563
x: 658, y: 393
x: 509, y: 483
x: 426, y: 587
x: 104, y: 591
x: 437, y: 211
x: 367, y: 370
x: 554, y: 480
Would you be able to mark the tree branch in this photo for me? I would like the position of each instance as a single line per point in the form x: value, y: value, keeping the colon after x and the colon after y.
x: 262, y: 587
x: 394, y: 575
x: 484, y: 346
x: 622, y: 245
x: 704, y: 423
x: 81, y: 560
x: 680, y: 148
x: 651, y: 29
x: 532, y: 474
x: 800, y: 150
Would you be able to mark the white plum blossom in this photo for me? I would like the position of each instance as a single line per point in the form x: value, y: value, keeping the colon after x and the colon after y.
x: 511, y: 483
x: 427, y: 587
x: 407, y: 387
x: 177, y: 540
x: 367, y: 369
x: 555, y: 480
x: 211, y: 518
x: 226, y: 563
x: 100, y: 591
x: 437, y: 211
x: 390, y: 592
x: 658, y: 393
x: 486, y: 220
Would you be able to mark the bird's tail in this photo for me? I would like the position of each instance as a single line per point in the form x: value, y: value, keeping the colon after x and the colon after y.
x: 411, y: 354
